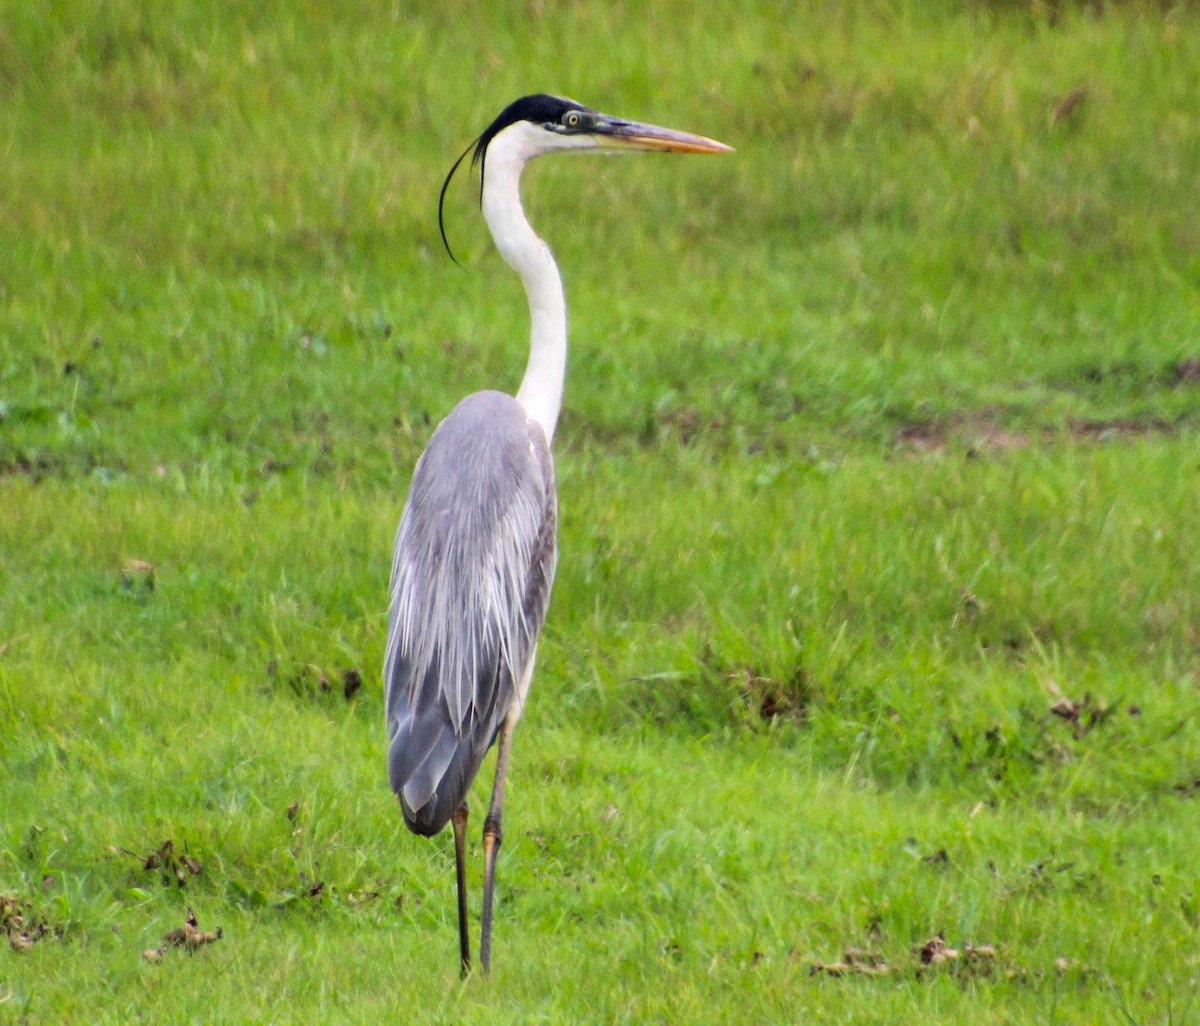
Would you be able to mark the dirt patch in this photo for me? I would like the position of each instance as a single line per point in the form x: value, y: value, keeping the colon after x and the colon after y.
x: 1120, y: 428
x: 980, y: 434
x: 854, y: 962
x: 189, y: 937
x: 687, y: 422
x: 720, y: 691
x: 976, y: 433
x: 20, y: 924
x: 1185, y: 372
x: 977, y: 959
x: 36, y: 467
x: 926, y: 436
x: 971, y: 960
x: 174, y: 868
x: 939, y: 859
x: 308, y: 680
x: 769, y: 695
x: 1068, y: 111
x: 1085, y: 714
x: 1188, y: 789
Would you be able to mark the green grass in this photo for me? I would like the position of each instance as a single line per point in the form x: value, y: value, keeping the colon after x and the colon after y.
x: 877, y: 613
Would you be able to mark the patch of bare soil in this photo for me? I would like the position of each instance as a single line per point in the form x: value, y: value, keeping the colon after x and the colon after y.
x: 1189, y: 788
x: 189, y: 937
x: 935, y: 954
x: 174, y: 868
x: 307, y: 680
x: 1068, y: 111
x: 1186, y: 372
x: 20, y: 925
x: 983, y: 433
x: 1084, y: 714
x: 977, y: 433
x: 770, y: 696
x: 1120, y: 428
x: 854, y: 962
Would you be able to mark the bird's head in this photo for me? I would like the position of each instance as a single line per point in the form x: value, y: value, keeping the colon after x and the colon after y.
x: 536, y: 125
x: 555, y: 124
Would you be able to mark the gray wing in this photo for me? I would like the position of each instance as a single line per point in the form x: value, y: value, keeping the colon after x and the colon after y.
x: 471, y: 577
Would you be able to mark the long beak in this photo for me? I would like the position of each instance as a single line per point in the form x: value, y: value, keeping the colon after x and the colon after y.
x: 618, y: 134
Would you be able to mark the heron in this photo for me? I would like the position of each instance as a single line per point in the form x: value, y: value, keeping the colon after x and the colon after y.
x: 476, y: 547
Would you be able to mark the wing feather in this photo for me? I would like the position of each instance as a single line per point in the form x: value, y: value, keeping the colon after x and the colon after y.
x: 471, y: 578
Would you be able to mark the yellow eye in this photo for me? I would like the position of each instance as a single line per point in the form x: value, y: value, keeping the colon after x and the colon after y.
x: 572, y: 119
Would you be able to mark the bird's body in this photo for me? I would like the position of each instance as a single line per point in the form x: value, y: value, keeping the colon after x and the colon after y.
x: 475, y: 551
x: 470, y: 584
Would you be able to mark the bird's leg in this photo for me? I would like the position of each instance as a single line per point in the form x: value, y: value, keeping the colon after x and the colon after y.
x: 460, y: 865
x: 491, y: 844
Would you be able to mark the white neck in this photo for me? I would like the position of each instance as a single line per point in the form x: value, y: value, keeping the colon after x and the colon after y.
x: 542, y: 387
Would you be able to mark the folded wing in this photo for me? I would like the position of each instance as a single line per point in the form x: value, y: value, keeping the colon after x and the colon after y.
x: 471, y: 578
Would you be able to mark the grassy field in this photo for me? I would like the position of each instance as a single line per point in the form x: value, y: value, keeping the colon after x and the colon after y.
x: 878, y: 608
